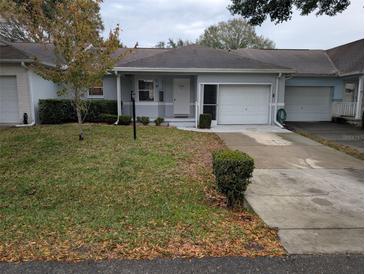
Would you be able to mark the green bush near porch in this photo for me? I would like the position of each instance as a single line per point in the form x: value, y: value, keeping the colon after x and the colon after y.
x: 59, y: 111
x: 125, y: 120
x: 107, y: 118
x: 144, y: 120
x: 159, y: 121
x: 205, y: 120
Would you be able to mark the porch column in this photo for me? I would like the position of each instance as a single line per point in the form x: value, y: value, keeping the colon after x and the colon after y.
x: 360, y: 91
x: 197, y: 103
x: 119, y: 96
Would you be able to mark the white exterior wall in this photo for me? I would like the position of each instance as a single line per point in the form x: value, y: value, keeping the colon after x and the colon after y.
x: 41, y: 89
x: 22, y: 81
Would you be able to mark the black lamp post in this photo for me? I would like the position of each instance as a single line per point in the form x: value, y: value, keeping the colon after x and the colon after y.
x: 134, y: 115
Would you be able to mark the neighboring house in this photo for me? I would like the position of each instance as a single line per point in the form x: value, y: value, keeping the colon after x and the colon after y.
x: 20, y: 87
x: 326, y: 84
x: 245, y: 86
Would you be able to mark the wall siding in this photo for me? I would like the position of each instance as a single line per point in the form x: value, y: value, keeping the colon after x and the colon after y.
x: 41, y: 89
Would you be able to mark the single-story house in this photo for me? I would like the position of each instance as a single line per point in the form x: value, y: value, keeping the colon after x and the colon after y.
x: 245, y: 86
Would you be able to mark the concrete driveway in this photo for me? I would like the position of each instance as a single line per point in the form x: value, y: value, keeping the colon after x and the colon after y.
x: 343, y: 134
x: 312, y: 193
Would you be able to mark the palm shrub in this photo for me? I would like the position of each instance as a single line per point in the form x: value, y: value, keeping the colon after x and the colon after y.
x: 144, y: 120
x: 159, y: 121
x: 233, y: 171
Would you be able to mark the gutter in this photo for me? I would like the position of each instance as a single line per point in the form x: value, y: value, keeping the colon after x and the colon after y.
x: 276, y: 102
x: 201, y: 70
x: 31, y: 100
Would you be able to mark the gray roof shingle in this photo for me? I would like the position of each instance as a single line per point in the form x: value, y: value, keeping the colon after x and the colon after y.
x: 43, y: 52
x: 305, y: 62
x: 343, y: 60
x: 10, y: 53
x: 348, y: 58
x: 193, y: 56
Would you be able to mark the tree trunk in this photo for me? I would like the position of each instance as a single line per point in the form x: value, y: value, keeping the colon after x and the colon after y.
x: 79, y: 121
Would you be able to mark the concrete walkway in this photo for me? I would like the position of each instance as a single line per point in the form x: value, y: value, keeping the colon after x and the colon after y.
x: 344, y: 134
x: 312, y: 193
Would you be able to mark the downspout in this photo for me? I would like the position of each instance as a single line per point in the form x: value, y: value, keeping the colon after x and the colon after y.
x: 31, y: 99
x: 276, y: 101
x: 119, y: 99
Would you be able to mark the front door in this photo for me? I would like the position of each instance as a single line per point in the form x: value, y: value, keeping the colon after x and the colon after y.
x: 181, y: 97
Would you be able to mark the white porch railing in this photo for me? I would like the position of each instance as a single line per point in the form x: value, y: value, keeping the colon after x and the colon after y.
x: 343, y: 109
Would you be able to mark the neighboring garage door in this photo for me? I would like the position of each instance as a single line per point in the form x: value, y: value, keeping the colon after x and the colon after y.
x: 308, y: 104
x: 9, y: 112
x: 243, y: 104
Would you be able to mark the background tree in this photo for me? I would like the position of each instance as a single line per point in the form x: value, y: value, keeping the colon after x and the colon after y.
x: 82, y: 56
x: 160, y: 45
x: 11, y: 28
x: 171, y: 43
x: 279, y: 11
x: 234, y: 34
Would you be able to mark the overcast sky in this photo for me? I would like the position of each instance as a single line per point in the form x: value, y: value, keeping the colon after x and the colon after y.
x: 150, y: 21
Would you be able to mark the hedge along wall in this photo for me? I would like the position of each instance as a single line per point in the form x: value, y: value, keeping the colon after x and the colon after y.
x: 58, y: 111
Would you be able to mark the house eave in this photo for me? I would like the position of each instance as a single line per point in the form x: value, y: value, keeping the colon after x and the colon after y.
x: 201, y: 70
x: 316, y: 75
x: 15, y: 60
x: 353, y: 73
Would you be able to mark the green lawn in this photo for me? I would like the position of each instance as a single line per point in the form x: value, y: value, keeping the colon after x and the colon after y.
x: 112, y: 197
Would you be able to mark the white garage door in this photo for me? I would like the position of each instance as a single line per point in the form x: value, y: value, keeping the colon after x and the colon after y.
x: 243, y: 104
x: 9, y: 112
x: 308, y: 104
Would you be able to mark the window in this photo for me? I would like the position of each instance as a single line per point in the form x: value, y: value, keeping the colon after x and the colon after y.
x: 145, y: 90
x: 97, y: 91
x: 350, y: 91
x: 210, y: 100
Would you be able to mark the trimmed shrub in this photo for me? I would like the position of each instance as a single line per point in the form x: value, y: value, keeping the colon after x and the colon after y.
x: 144, y: 120
x: 159, y: 121
x: 107, y: 118
x: 97, y: 107
x: 55, y: 111
x: 125, y: 120
x: 58, y: 111
x: 205, y: 120
x: 233, y: 171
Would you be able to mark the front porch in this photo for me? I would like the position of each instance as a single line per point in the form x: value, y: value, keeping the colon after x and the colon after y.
x: 172, y: 97
x: 351, y: 106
